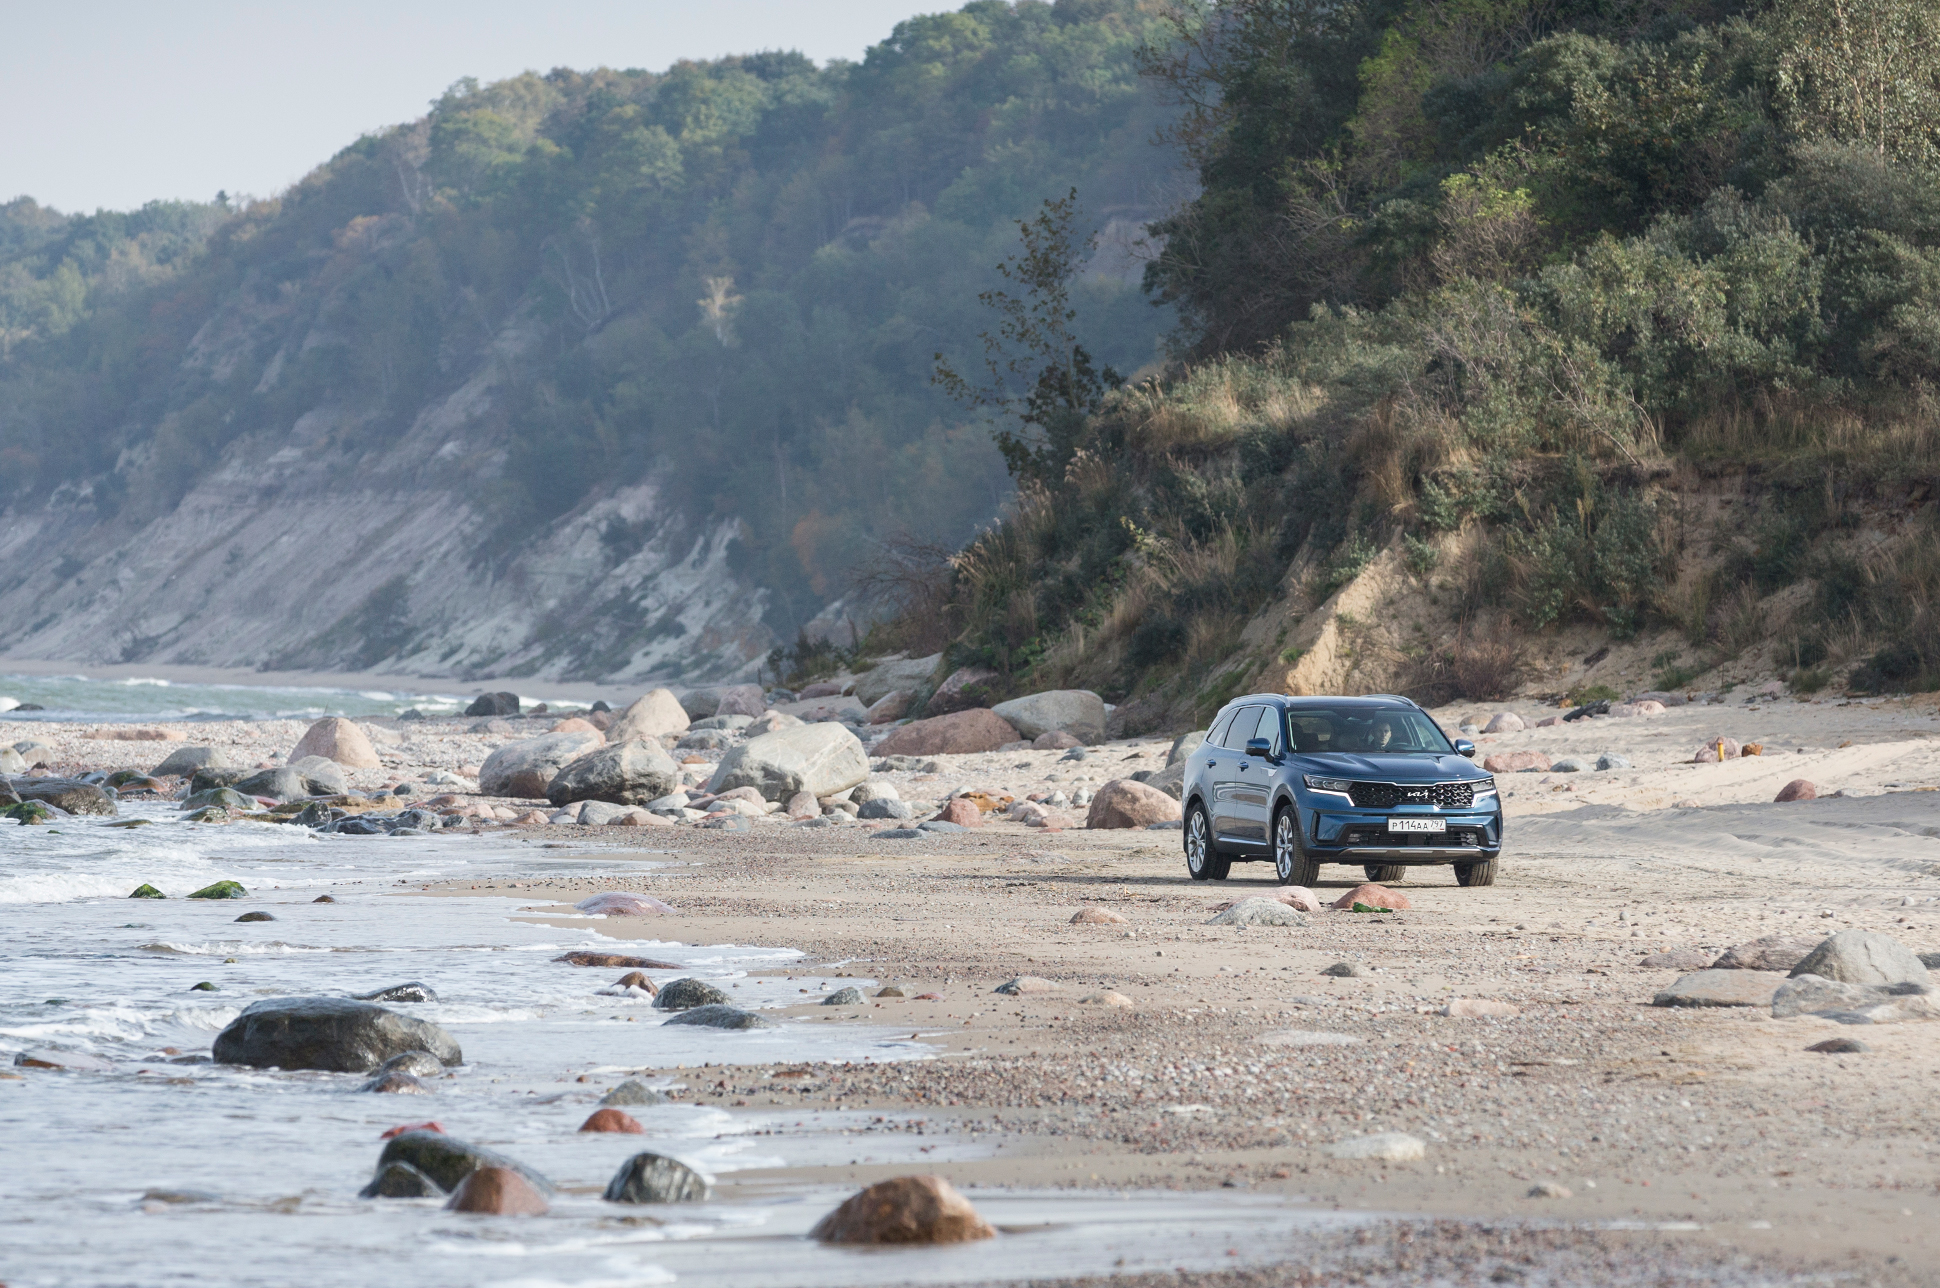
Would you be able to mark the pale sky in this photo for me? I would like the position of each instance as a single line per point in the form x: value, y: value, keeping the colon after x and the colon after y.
x: 111, y: 103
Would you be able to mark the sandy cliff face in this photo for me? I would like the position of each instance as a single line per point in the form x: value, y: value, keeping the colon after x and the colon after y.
x: 299, y: 550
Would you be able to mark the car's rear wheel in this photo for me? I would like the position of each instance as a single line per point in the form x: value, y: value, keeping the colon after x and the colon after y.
x: 1385, y: 873
x: 1204, y: 862
x: 1290, y: 861
x: 1475, y: 874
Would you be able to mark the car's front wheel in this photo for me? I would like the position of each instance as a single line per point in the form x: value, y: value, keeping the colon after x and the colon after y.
x: 1385, y: 873
x: 1204, y: 862
x: 1290, y: 861
x: 1475, y: 874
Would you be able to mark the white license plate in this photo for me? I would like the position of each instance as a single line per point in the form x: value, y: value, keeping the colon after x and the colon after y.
x: 1417, y: 825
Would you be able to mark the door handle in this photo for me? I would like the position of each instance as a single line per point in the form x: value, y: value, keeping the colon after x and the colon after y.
x: 1212, y: 764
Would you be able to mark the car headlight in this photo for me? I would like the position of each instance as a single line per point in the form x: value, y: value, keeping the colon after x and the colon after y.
x: 1484, y: 787
x: 1337, y: 785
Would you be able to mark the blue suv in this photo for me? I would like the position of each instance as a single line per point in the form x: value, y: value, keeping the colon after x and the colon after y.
x: 1305, y: 781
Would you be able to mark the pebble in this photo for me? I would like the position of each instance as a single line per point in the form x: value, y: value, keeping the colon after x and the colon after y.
x: 1107, y: 998
x: 1027, y: 984
x: 1550, y: 1190
x: 1480, y: 1008
x: 1388, y: 1146
x: 850, y: 996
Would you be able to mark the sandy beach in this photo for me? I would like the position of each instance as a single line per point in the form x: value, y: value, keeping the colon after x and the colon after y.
x: 1587, y: 1129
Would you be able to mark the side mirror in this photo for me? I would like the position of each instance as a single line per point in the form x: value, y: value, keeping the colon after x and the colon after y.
x: 1259, y: 747
x: 1463, y: 747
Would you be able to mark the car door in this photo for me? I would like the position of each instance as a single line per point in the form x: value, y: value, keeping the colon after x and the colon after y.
x: 1253, y: 783
x: 1225, y: 775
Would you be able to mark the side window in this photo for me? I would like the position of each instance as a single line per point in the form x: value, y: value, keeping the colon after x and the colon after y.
x: 1269, y: 729
x: 1244, y: 723
x: 1216, y: 736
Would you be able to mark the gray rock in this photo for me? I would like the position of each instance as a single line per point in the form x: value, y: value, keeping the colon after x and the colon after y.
x: 1570, y: 765
x: 526, y: 768
x: 1344, y: 970
x: 874, y: 790
x: 66, y: 794
x: 850, y: 996
x: 706, y: 740
x: 619, y: 773
x: 401, y: 1181
x: 684, y: 994
x: 325, y: 776
x: 820, y: 759
x: 655, y: 1178
x: 1076, y: 753
x: 1679, y: 959
x: 284, y: 784
x: 729, y: 723
x: 396, y: 1083
x: 1259, y: 912
x: 412, y: 992
x: 12, y: 762
x: 203, y: 780
x: 906, y: 674
x: 700, y: 703
x: 898, y: 834
x: 1851, y: 1003
x: 741, y: 700
x: 719, y: 1016
x: 633, y: 1092
x: 1772, y: 952
x: 908, y: 765
x: 1929, y: 960
x: 184, y: 761
x: 729, y: 823
x: 651, y: 715
x: 224, y: 797
x: 1610, y: 760
x: 331, y: 1033
x: 881, y: 808
x: 1183, y: 746
x: 445, y: 1161
x: 941, y: 825
x: 1078, y: 712
x: 1840, y: 1046
x: 1720, y: 988
x: 1863, y: 957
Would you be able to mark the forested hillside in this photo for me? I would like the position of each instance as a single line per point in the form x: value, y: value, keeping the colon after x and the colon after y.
x: 1614, y: 318
x: 568, y: 340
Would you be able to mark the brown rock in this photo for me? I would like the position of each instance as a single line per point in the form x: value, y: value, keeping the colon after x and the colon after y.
x: 1515, y: 762
x: 497, y: 1191
x: 1752, y: 749
x: 964, y: 688
x: 617, y: 961
x: 893, y: 705
x: 960, y: 734
x: 1298, y: 897
x: 1125, y: 803
x: 804, y: 805
x: 613, y: 1120
x: 623, y: 903
x: 531, y: 818
x: 1096, y: 917
x: 573, y: 724
x: 1772, y: 952
x: 634, y: 979
x: 1109, y: 997
x: 820, y: 690
x: 1055, y: 740
x: 962, y: 812
x: 127, y: 735
x: 1374, y: 896
x: 335, y: 738
x: 601, y: 720
x: 909, y: 1209
x: 1796, y: 790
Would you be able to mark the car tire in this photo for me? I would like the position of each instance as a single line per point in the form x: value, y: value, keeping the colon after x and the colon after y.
x: 1204, y: 862
x: 1290, y: 861
x: 1385, y: 873
x: 1475, y: 874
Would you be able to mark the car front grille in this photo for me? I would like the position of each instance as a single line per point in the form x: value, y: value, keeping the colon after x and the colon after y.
x: 1381, y: 837
x: 1389, y: 795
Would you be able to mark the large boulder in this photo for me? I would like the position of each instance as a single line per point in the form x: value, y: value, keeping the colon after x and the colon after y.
x: 906, y: 675
x: 65, y: 794
x: 1183, y: 746
x: 184, y: 761
x: 651, y: 715
x: 1772, y: 952
x: 962, y: 689
x: 526, y: 768
x: 959, y: 734
x: 326, y: 777
x: 890, y: 707
x: 12, y: 762
x: 820, y: 759
x: 285, y: 784
x: 1124, y: 803
x: 1516, y: 762
x: 1863, y: 957
x: 908, y: 1209
x: 624, y: 773
x: 445, y: 1160
x: 1720, y: 988
x: 331, y: 1033
x: 1851, y: 1003
x: 497, y: 1191
x: 338, y: 739
x: 655, y: 1178
x: 1078, y: 712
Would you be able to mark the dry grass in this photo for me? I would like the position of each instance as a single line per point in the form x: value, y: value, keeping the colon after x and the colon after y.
x: 1477, y: 665
x: 1212, y: 404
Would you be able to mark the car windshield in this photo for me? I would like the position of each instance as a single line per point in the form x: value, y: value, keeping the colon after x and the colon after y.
x: 1365, y: 729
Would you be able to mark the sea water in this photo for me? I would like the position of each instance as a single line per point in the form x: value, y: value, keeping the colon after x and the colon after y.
x: 172, y: 1169
x: 86, y: 698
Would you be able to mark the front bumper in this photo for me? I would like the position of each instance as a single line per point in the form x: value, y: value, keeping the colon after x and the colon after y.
x: 1360, y: 836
